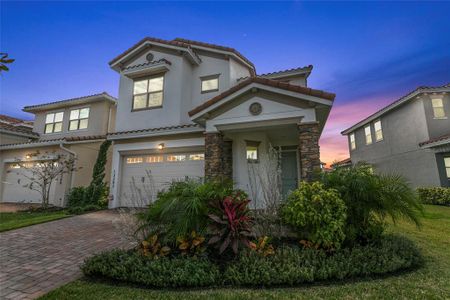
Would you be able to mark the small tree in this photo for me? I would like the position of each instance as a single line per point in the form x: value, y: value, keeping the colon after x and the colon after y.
x: 97, y: 188
x: 44, y: 171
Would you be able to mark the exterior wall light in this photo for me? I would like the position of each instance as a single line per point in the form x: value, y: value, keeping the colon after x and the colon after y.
x: 161, y: 146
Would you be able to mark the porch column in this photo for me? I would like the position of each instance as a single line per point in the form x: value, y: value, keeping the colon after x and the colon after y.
x: 308, y: 150
x: 218, y: 156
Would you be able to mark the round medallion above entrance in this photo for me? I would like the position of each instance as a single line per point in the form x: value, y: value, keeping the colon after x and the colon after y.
x: 149, y: 57
x: 255, y: 108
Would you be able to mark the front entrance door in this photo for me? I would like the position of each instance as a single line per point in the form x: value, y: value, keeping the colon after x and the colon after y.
x: 289, y: 174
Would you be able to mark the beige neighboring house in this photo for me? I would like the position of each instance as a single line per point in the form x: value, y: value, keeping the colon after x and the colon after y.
x: 75, y: 127
x: 13, y: 130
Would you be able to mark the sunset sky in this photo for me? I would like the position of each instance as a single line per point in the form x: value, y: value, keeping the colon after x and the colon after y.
x: 369, y: 54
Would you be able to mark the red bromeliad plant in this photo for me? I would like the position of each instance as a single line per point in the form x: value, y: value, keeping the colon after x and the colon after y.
x: 231, y: 224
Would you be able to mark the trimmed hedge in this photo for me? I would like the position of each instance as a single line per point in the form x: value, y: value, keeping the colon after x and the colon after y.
x: 434, y: 195
x: 290, y: 265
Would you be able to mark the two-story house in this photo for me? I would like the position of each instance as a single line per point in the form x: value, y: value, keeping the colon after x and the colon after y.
x: 410, y: 137
x: 74, y: 127
x: 192, y: 109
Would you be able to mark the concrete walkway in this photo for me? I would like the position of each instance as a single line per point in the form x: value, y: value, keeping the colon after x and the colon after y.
x: 36, y: 259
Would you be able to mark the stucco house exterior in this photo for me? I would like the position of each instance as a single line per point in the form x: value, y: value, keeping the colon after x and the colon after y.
x: 74, y: 127
x: 193, y: 109
x: 410, y: 137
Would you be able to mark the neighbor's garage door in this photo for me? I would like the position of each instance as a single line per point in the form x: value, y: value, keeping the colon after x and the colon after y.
x: 144, y: 175
x: 13, y: 186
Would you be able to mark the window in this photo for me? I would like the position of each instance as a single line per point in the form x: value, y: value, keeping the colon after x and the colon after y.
x: 352, y: 141
x: 173, y: 158
x: 438, y: 108
x: 252, y: 151
x: 53, y: 122
x: 154, y: 159
x: 368, y: 135
x: 210, y: 84
x: 197, y: 156
x: 148, y: 93
x: 79, y: 119
x: 378, y: 130
x: 447, y: 166
x: 134, y: 160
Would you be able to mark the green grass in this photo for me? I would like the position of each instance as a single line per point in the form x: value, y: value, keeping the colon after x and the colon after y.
x: 430, y: 282
x: 14, y: 220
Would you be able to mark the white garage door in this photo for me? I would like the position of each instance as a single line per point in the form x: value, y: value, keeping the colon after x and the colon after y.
x: 143, y: 176
x: 13, y: 186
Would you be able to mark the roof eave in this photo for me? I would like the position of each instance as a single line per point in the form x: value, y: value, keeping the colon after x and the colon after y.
x: 69, y: 102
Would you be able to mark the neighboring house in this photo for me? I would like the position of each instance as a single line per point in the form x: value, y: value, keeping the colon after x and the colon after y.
x: 410, y: 137
x: 13, y: 130
x: 192, y: 109
x: 345, y: 163
x: 73, y: 127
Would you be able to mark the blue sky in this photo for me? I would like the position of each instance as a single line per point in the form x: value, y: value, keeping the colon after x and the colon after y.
x: 369, y: 54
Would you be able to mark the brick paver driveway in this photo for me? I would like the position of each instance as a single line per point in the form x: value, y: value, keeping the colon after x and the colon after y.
x: 39, y: 258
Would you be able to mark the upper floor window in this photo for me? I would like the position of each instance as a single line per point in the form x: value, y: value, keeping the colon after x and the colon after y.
x: 79, y: 119
x: 148, y: 93
x: 352, y: 141
x: 438, y: 108
x: 378, y: 130
x: 53, y: 122
x: 368, y: 134
x: 210, y: 83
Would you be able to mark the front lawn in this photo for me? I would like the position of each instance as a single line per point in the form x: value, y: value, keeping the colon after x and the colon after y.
x: 14, y: 220
x: 431, y: 281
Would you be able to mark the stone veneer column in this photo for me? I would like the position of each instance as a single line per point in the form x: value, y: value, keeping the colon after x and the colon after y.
x: 218, y: 156
x: 308, y: 150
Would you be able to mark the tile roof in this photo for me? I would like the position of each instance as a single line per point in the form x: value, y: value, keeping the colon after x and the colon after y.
x: 184, y: 43
x: 43, y: 105
x: 18, y: 128
x: 264, y: 81
x: 438, y: 139
x: 377, y: 114
x: 9, y: 119
x: 157, y: 129
x: 293, y: 70
x: 62, y: 140
x: 162, y: 60
x: 343, y: 162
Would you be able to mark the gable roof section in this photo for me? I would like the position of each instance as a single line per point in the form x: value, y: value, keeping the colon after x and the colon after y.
x: 73, y: 101
x: 186, y: 44
x: 289, y: 72
x: 396, y: 103
x: 266, y: 82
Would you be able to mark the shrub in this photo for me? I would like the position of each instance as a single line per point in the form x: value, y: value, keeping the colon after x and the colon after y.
x: 293, y: 265
x: 289, y: 265
x: 317, y: 214
x: 164, y: 272
x: 230, y: 223
x: 77, y: 197
x: 183, y: 208
x: 370, y: 198
x: 78, y: 210
x: 434, y: 195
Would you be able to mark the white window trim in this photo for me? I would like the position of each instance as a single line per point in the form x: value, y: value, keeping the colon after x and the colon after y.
x: 79, y: 119
x: 352, y: 141
x: 149, y: 93
x: 443, y: 107
x: 206, y: 78
x: 53, y: 130
x: 367, y: 135
x: 381, y: 130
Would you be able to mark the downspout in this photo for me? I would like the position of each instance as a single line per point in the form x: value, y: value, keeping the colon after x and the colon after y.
x: 71, y: 177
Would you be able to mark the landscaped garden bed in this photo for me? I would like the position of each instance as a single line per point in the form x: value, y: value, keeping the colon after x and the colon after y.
x: 205, y: 235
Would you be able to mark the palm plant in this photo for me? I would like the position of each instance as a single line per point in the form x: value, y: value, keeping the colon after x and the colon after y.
x: 183, y: 208
x: 371, y: 198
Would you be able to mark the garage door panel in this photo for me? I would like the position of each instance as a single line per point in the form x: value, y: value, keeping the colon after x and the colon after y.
x: 142, y: 180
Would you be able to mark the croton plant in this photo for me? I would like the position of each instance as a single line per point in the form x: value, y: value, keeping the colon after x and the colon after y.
x: 231, y: 224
